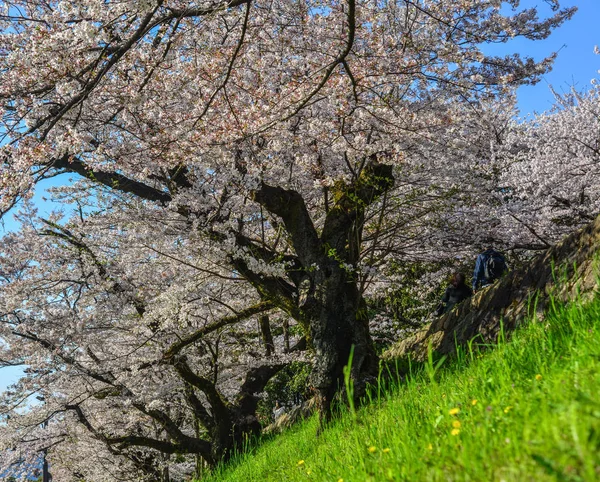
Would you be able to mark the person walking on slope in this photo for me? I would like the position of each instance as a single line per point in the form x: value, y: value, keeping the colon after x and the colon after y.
x: 490, y: 266
x: 454, y: 294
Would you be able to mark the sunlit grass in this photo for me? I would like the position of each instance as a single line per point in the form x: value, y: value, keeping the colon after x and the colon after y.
x: 527, y: 410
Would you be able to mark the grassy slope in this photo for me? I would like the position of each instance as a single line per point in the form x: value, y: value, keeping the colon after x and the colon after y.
x: 528, y: 410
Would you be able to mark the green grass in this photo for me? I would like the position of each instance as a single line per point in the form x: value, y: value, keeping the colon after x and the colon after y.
x: 529, y: 410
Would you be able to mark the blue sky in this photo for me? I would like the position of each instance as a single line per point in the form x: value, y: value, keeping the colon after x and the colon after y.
x: 576, y: 65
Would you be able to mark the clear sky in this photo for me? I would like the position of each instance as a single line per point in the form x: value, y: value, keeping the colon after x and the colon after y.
x: 576, y: 65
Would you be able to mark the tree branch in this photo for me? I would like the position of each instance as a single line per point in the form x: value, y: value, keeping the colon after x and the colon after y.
x: 255, y: 382
x: 175, y: 348
x: 53, y: 349
x: 275, y: 289
x: 200, y: 411
x: 218, y: 404
x: 112, y: 180
x: 186, y: 444
x: 200, y: 12
x: 290, y: 207
x: 66, y: 235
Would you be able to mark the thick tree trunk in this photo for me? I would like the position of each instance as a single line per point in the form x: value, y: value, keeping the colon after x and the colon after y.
x: 339, y: 322
x: 329, y: 304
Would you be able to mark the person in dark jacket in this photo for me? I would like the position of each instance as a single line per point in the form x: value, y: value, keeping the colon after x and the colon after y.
x: 489, y: 266
x: 455, y: 293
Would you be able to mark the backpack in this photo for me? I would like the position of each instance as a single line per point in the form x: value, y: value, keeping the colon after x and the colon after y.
x: 494, y: 266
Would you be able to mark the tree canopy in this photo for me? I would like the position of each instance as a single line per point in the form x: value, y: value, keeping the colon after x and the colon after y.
x: 238, y: 160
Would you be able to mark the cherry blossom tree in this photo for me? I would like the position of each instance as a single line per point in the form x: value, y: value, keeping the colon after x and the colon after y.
x: 531, y: 181
x: 520, y: 185
x: 553, y: 175
x: 135, y: 354
x: 273, y: 139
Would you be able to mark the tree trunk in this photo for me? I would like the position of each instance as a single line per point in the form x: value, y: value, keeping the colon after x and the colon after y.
x: 338, y: 322
x: 329, y: 303
x: 267, y: 336
x: 286, y: 336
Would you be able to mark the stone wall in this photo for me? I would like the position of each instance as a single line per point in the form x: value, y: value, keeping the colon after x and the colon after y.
x: 565, y: 271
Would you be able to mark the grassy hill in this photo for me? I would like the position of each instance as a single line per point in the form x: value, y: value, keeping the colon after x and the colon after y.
x: 528, y: 410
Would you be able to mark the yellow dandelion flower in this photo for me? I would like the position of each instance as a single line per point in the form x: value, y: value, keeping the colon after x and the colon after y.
x: 456, y: 424
x: 372, y: 449
x: 308, y: 472
x: 455, y: 431
x: 507, y: 409
x: 454, y: 411
x: 300, y: 462
x: 538, y: 377
x: 340, y: 480
x: 430, y: 447
x: 386, y: 451
x: 473, y: 402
